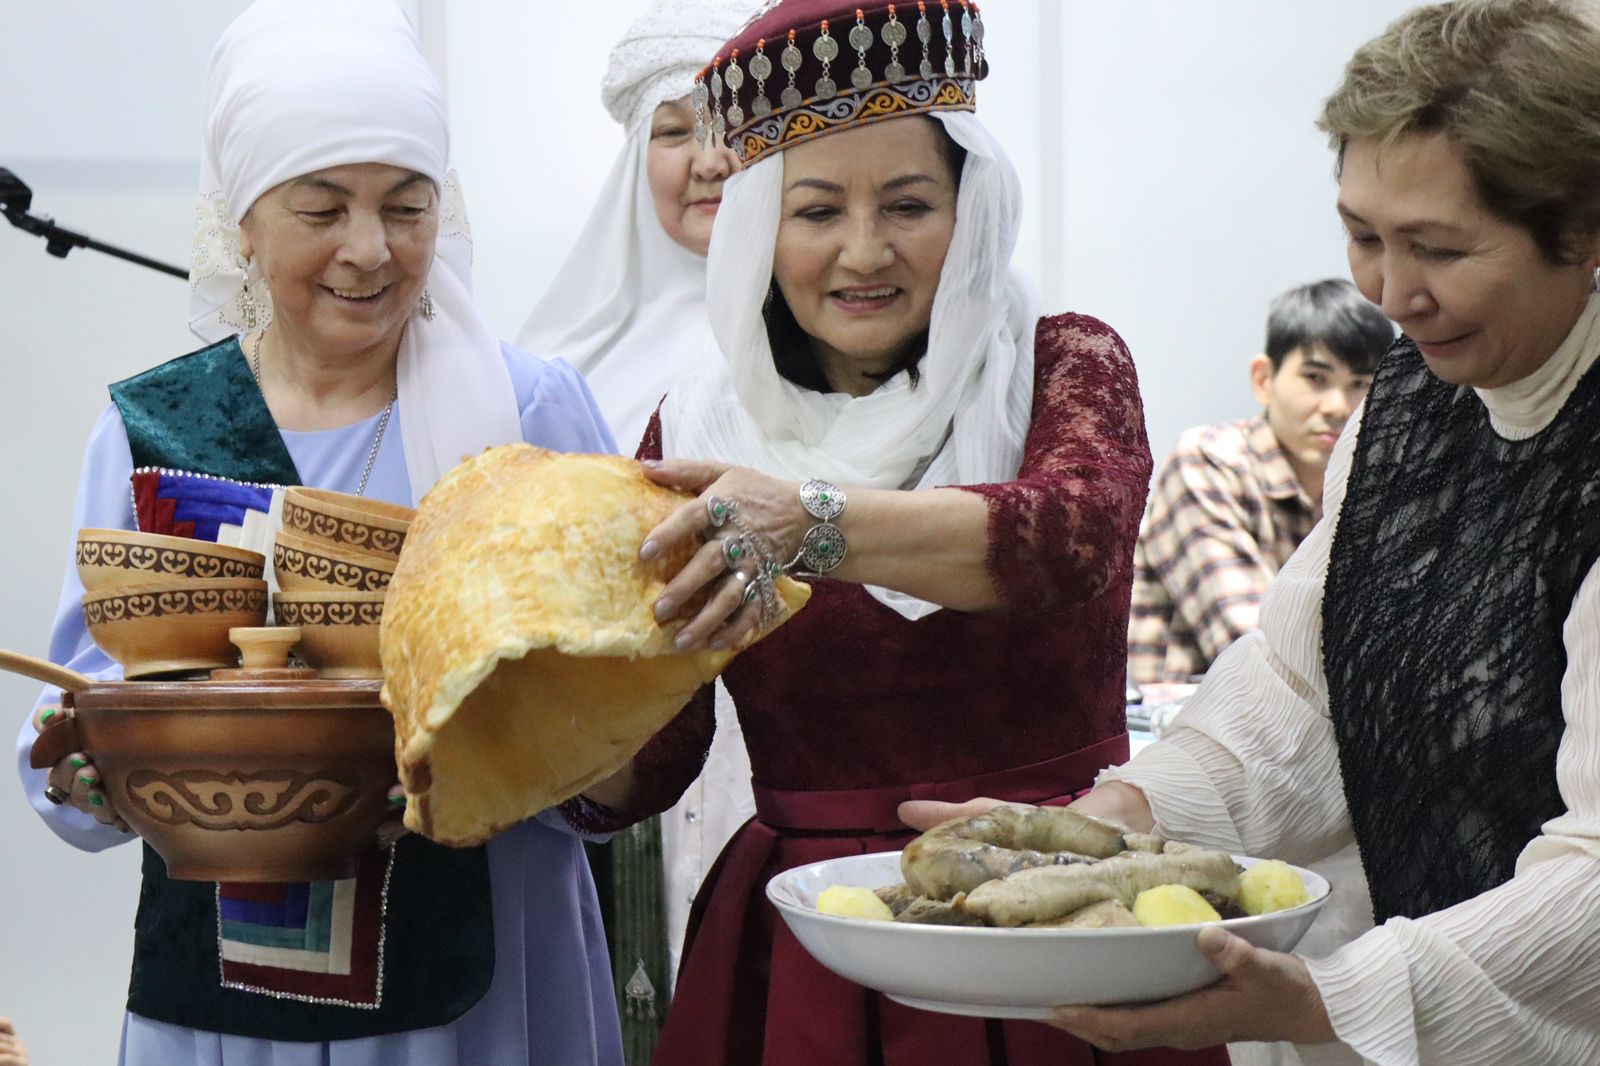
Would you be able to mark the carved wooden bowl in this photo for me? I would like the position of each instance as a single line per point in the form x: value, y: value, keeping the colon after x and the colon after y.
x: 174, y: 626
x: 338, y: 630
x: 114, y: 558
x: 240, y: 780
x: 306, y: 565
x: 353, y: 523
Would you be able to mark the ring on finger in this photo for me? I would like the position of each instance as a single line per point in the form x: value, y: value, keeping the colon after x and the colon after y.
x: 735, y: 550
x: 720, y: 509
x: 55, y: 795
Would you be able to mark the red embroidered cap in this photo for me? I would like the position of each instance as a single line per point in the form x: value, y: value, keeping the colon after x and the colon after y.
x: 805, y: 68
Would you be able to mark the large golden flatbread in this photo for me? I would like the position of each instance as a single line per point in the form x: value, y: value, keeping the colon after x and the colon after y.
x: 521, y: 659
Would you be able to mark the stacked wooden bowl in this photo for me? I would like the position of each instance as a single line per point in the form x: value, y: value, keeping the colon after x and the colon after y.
x: 164, y: 605
x: 333, y: 559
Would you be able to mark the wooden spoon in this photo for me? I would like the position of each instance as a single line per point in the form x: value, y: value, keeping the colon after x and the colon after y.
x: 43, y: 670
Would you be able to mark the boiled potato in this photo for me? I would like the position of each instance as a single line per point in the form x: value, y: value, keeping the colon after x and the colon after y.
x: 1173, y: 905
x: 848, y: 901
x: 1271, y: 886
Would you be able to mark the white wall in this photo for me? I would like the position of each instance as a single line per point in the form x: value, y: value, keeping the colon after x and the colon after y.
x: 1195, y: 186
x: 530, y: 138
x: 1174, y: 179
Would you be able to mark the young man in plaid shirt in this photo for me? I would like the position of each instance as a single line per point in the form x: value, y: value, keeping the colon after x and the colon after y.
x: 1234, y: 500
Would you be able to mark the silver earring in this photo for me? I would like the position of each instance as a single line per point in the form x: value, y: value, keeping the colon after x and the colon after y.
x: 249, y: 307
x: 426, y: 307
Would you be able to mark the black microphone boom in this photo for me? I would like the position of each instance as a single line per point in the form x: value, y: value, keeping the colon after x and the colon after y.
x: 16, y: 198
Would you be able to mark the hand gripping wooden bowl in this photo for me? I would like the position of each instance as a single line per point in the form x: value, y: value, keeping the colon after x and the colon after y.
x: 244, y: 779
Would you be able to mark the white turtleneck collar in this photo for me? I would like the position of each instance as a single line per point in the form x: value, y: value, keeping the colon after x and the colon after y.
x: 1523, y: 408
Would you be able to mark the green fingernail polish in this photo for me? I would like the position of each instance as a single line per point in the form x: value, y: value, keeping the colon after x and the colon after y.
x: 79, y: 764
x: 397, y: 801
x: 47, y: 715
x: 90, y: 780
x: 96, y: 800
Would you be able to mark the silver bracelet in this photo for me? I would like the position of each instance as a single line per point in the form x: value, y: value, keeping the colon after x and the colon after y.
x: 823, y: 546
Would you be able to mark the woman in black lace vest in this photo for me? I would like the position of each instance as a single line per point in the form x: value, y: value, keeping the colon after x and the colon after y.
x: 1427, y: 677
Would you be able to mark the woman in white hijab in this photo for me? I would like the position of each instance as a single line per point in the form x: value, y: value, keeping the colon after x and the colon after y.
x: 628, y: 310
x: 331, y: 271
x: 891, y: 412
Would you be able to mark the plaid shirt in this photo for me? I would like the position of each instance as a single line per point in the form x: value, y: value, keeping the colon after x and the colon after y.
x: 1225, y: 513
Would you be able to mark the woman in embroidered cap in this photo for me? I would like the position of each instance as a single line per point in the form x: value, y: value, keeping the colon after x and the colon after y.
x: 877, y: 351
x: 1425, y: 679
x: 627, y: 309
x: 331, y: 271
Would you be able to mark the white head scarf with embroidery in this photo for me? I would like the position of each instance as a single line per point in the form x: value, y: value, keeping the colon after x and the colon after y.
x: 965, y: 421
x: 627, y: 308
x: 297, y: 86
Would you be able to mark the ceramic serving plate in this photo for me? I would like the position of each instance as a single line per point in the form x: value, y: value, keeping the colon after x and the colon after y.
x: 1009, y: 973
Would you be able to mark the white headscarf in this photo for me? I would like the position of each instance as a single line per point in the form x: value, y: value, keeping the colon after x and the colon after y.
x: 297, y: 86
x: 627, y: 308
x: 964, y: 423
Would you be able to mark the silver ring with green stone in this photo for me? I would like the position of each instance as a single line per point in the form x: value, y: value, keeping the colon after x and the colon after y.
x: 720, y: 509
x: 735, y: 550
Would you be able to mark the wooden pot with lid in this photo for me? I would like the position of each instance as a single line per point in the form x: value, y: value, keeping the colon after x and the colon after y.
x: 263, y: 773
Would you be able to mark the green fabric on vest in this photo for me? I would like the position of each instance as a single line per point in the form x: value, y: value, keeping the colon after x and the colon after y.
x: 203, y: 413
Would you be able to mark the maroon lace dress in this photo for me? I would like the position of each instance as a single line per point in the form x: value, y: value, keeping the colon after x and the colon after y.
x: 850, y: 708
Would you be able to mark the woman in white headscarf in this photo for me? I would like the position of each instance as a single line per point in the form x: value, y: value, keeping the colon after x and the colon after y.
x: 891, y: 412
x: 331, y: 272
x: 628, y: 310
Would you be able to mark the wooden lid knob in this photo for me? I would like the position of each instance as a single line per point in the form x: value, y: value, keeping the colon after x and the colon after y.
x: 264, y: 647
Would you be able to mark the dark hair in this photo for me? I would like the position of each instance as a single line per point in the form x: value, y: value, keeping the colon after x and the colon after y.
x: 792, y: 352
x: 1334, y: 315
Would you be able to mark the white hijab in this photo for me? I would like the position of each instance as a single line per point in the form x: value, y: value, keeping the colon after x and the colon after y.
x: 296, y: 86
x: 964, y: 423
x: 628, y: 307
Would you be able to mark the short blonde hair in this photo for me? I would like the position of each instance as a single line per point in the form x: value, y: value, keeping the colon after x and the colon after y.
x: 1514, y: 85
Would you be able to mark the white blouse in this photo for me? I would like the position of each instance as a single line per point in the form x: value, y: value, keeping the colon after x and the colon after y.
x: 1251, y: 765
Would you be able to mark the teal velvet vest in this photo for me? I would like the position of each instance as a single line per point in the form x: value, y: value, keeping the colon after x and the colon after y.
x: 203, y: 414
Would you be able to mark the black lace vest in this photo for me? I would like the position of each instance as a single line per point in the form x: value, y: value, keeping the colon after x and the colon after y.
x: 1454, y: 566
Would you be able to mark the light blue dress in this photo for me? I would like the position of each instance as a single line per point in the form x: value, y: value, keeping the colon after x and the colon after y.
x: 551, y: 1002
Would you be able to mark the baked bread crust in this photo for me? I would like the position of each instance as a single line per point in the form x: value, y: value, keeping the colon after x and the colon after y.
x: 521, y: 658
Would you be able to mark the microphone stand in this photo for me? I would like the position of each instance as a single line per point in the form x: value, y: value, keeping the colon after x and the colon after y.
x: 16, y: 198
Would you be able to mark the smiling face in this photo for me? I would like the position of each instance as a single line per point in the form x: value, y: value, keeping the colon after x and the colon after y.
x: 1475, y: 293
x: 867, y: 217
x: 686, y: 179
x: 345, y: 253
